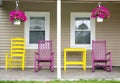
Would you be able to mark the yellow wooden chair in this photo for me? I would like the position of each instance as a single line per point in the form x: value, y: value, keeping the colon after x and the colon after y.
x: 16, y: 57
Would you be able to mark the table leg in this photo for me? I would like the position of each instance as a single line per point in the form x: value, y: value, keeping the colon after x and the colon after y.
x: 64, y: 60
x: 84, y: 60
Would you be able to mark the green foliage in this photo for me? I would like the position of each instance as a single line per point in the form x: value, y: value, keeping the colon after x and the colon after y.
x: 65, y: 81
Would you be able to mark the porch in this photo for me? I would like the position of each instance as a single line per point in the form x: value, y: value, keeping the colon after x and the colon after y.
x: 70, y: 74
x: 79, y: 73
x: 28, y: 74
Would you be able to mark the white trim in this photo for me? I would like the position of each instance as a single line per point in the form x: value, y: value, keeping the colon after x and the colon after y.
x: 72, y: 25
x: 59, y: 39
x: 27, y: 24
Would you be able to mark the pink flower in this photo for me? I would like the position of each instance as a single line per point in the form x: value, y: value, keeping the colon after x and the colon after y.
x: 101, y: 12
x: 17, y: 15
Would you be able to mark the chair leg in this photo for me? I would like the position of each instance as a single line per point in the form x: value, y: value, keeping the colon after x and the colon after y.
x: 105, y: 67
x: 35, y: 62
x: 93, y: 66
x: 110, y: 65
x: 52, y: 66
x: 6, y: 63
x: 23, y: 65
x: 10, y: 62
x: 39, y: 66
x: 108, y: 68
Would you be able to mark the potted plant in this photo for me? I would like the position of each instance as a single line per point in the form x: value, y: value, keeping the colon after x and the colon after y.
x: 17, y: 16
x: 100, y: 13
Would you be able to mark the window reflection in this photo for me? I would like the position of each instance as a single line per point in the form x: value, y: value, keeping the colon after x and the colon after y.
x: 82, y: 37
x: 82, y: 23
x: 37, y: 22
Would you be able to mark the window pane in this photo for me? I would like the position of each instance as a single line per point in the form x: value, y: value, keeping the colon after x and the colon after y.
x: 36, y: 35
x: 82, y: 23
x: 37, y: 22
x: 82, y: 37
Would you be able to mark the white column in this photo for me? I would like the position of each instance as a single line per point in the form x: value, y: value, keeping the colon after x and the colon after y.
x: 58, y: 39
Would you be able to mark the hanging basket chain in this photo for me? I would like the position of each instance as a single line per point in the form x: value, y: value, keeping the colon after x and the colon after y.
x: 99, y: 4
x: 17, y: 5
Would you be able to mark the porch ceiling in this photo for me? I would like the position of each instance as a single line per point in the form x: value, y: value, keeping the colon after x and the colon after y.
x: 33, y: 0
x: 90, y: 1
x: 66, y: 1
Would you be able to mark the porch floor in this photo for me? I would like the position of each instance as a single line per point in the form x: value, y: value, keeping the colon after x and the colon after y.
x: 28, y: 74
x: 69, y: 74
x: 79, y: 73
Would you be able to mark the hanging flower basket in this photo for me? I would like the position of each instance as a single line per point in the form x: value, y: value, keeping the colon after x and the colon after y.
x: 17, y: 22
x: 99, y: 19
x: 100, y: 13
x: 17, y: 16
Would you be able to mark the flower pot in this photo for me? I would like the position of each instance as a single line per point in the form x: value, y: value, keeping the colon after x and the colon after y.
x: 99, y: 19
x: 17, y: 22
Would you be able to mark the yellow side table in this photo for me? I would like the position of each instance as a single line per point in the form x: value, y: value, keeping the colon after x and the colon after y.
x: 83, y: 62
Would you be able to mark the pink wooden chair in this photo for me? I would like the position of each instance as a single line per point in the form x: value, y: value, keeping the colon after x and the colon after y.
x: 44, y: 54
x: 100, y: 56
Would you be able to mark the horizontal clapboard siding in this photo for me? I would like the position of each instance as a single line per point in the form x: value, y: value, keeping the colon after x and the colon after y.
x: 8, y: 30
x: 109, y: 30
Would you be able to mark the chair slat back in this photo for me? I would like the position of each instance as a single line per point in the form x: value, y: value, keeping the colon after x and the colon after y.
x: 44, y: 49
x: 99, y: 49
x: 17, y: 46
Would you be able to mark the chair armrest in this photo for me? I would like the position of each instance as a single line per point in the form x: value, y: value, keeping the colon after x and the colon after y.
x: 109, y: 53
x: 36, y: 53
x: 52, y: 54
